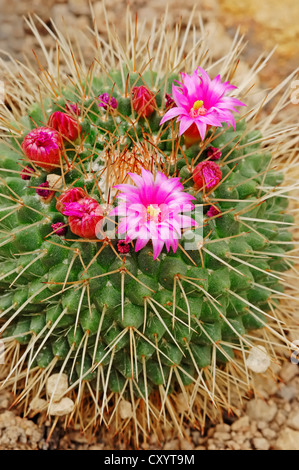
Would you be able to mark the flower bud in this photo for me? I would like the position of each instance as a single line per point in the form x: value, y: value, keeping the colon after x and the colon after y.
x: 43, y: 147
x: 84, y: 216
x: 206, y: 175
x: 70, y: 195
x: 66, y: 125
x: 144, y: 102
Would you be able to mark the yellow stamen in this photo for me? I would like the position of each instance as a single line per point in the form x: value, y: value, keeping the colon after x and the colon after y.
x: 197, y: 104
x: 152, y: 212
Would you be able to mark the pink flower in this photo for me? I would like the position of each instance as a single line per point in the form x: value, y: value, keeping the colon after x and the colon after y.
x: 84, y: 216
x: 66, y: 125
x: 144, y: 102
x: 152, y: 210
x: 26, y: 173
x: 70, y: 195
x: 43, y: 147
x: 59, y: 228
x: 213, y: 211
x: 106, y: 101
x: 214, y: 153
x: 201, y: 103
x: 206, y: 175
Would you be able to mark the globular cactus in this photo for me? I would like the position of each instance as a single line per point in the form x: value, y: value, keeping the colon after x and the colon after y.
x: 140, y: 321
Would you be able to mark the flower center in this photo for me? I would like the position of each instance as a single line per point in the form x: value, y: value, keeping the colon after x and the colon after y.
x: 197, y: 109
x: 153, y: 213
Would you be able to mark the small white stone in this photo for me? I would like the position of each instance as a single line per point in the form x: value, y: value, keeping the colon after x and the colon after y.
x: 182, y: 404
x: 293, y: 420
x: 242, y: 424
x: 62, y: 407
x: 125, y: 409
x: 57, y: 385
x: 258, y: 360
x: 259, y: 410
x: 38, y: 404
x: 260, y: 443
x: 288, y: 439
x: 55, y: 181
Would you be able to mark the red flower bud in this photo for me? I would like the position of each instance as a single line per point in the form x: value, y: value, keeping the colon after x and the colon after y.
x: 213, y: 211
x: 25, y: 173
x: 70, y: 195
x: 43, y: 147
x: 214, y: 153
x: 207, y: 175
x: 59, y: 229
x: 85, y: 217
x: 144, y: 102
x: 66, y: 125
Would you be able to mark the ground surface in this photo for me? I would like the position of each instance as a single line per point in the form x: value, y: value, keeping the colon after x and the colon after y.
x: 272, y: 420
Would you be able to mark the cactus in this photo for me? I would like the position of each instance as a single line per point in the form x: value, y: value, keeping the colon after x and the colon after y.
x: 127, y: 324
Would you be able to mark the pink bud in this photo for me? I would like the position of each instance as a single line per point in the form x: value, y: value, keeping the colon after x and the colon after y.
x: 83, y: 217
x: 213, y: 211
x: 123, y: 247
x: 72, y: 108
x: 214, y: 153
x: 106, y: 101
x: 170, y: 103
x: 43, y: 147
x: 144, y: 102
x: 65, y: 124
x: 70, y: 195
x: 25, y: 173
x: 43, y: 191
x: 206, y: 175
x: 59, y: 229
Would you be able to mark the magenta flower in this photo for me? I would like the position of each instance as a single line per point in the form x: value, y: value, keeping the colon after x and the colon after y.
x: 201, y: 103
x: 106, y: 101
x: 153, y: 210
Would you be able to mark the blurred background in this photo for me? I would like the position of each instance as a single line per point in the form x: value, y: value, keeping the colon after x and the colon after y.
x: 265, y: 24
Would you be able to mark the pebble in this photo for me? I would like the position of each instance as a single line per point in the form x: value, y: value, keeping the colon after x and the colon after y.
x: 62, y: 407
x: 57, y: 385
x: 293, y: 420
x: 125, y: 409
x: 288, y: 371
x: 269, y: 433
x: 186, y: 445
x: 222, y: 436
x: 260, y: 410
x: 172, y: 445
x: 242, y: 424
x: 260, y: 443
x: 222, y: 428
x: 287, y: 392
x: 288, y: 439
